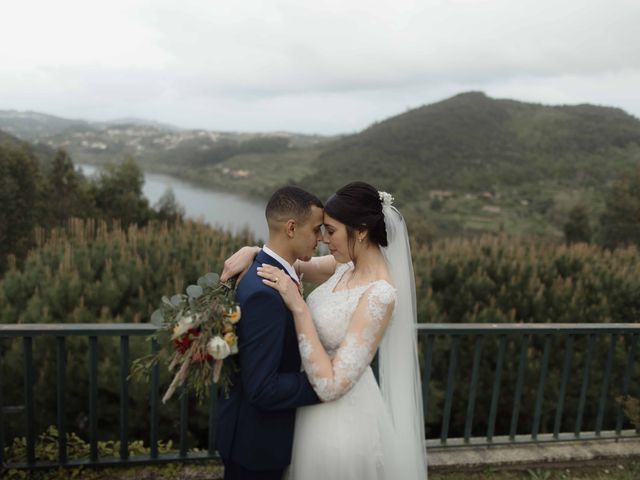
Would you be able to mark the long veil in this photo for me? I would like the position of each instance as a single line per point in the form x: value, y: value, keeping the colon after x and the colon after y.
x: 399, y: 371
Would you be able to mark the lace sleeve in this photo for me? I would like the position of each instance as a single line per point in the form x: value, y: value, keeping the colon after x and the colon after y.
x: 316, y: 270
x: 332, y: 378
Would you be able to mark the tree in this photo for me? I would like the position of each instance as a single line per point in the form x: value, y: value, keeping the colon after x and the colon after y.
x: 620, y: 221
x: 20, y: 196
x: 118, y: 193
x: 577, y: 228
x: 66, y: 191
x: 167, y: 208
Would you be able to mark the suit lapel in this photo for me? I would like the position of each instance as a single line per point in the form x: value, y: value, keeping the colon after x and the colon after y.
x: 262, y: 257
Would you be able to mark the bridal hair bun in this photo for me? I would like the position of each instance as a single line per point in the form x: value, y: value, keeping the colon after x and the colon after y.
x: 359, y: 205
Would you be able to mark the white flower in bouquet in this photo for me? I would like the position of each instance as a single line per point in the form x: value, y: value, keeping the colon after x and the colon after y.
x: 218, y: 348
x: 184, y: 325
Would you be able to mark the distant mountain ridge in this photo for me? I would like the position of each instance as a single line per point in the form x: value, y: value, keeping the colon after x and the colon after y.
x: 36, y: 126
x: 474, y: 142
x: 140, y: 122
x: 153, y: 144
x: 32, y: 126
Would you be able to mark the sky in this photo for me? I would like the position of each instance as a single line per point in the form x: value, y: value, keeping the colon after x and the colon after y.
x: 326, y: 67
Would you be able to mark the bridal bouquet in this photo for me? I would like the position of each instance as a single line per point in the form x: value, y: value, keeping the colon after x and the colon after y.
x: 196, y: 333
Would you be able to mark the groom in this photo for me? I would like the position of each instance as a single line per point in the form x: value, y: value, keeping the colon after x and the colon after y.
x: 255, y: 423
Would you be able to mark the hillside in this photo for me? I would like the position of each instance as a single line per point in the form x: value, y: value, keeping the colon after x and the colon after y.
x: 43, y: 153
x: 6, y: 139
x: 33, y: 126
x: 475, y: 143
x: 465, y: 165
x: 155, y: 145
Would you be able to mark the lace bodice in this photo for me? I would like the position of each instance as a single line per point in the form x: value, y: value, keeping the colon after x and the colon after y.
x: 350, y: 324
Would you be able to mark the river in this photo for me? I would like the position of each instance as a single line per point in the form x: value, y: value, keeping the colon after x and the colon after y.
x: 216, y: 208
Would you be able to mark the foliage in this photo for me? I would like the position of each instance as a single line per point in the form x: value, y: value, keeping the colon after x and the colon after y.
x: 502, y: 279
x: 577, y: 228
x: 539, y: 474
x: 46, y: 449
x: 87, y: 273
x: 66, y: 191
x: 118, y: 193
x: 620, y: 221
x: 20, y: 200
x: 47, y: 195
x: 505, y: 279
x: 196, y: 332
x: 168, y: 209
x: 631, y: 407
x: 471, y: 142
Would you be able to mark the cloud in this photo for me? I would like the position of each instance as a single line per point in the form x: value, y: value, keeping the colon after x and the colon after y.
x: 283, y: 47
x: 329, y: 66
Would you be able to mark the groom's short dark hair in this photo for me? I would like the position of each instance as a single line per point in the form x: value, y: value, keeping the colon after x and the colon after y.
x: 290, y: 202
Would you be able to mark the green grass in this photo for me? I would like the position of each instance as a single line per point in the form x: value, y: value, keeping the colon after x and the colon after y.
x: 618, y: 471
x: 213, y: 470
x: 266, y: 171
x: 173, y: 471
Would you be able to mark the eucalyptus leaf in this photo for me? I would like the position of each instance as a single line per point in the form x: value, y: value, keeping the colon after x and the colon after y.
x: 212, y: 278
x: 157, y: 318
x: 194, y: 291
x: 176, y: 300
x: 167, y: 301
x: 203, y: 282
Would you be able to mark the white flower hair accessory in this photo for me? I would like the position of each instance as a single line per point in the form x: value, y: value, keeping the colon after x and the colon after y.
x: 386, y: 199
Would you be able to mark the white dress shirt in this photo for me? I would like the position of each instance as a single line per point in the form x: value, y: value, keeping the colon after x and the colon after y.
x: 287, y: 266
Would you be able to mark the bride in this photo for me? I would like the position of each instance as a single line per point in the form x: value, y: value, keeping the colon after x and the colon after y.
x: 365, y: 304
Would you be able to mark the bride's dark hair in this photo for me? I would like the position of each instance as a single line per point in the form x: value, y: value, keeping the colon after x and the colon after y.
x: 359, y: 207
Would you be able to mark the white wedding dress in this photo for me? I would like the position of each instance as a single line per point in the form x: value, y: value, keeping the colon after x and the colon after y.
x: 350, y: 436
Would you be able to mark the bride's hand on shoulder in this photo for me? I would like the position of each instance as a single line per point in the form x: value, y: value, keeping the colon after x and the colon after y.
x: 284, y: 284
x: 238, y: 263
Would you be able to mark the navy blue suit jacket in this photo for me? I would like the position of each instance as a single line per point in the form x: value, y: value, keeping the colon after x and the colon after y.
x: 255, y: 423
